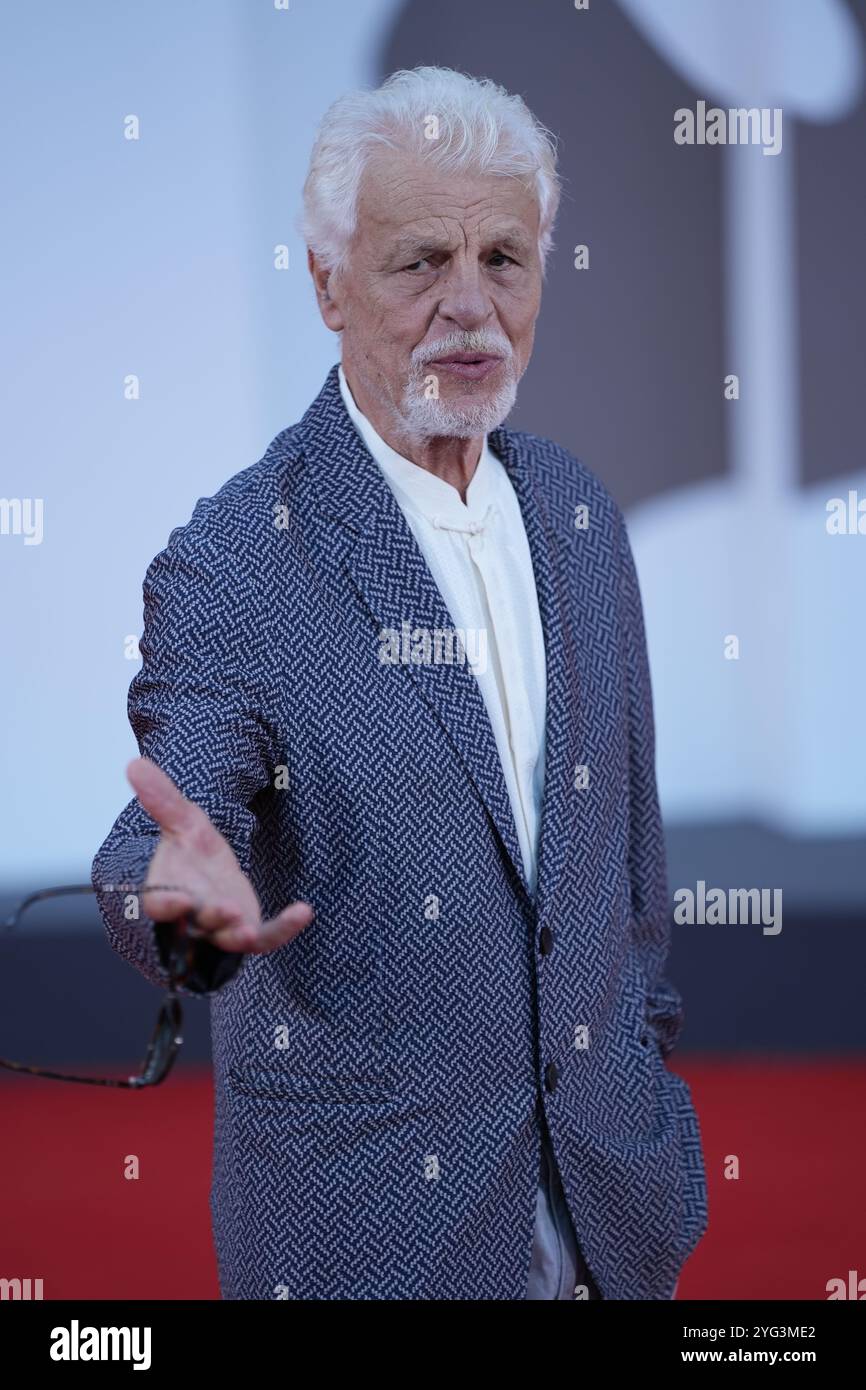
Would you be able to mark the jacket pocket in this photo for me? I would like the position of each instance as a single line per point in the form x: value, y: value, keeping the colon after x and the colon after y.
x: 325, y: 1090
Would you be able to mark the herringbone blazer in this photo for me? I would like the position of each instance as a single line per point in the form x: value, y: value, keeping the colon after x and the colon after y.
x: 378, y: 1079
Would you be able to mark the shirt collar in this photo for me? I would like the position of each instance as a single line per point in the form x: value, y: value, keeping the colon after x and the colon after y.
x: 416, y: 488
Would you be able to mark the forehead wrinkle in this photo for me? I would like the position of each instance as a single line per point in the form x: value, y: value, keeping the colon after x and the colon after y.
x: 402, y: 214
x: 418, y: 186
x: 422, y: 239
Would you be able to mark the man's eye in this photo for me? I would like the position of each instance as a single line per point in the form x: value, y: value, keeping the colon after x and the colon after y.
x: 426, y: 263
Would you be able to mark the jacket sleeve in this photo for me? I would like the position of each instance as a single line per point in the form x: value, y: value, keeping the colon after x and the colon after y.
x: 197, y: 712
x: 650, y: 913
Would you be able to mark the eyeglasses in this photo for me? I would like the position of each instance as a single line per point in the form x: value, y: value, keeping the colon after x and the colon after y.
x: 178, y: 944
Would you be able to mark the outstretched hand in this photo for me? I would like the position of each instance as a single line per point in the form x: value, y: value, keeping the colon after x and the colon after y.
x: 203, y: 873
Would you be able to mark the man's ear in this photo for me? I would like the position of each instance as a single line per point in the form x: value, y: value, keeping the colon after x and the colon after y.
x: 329, y: 310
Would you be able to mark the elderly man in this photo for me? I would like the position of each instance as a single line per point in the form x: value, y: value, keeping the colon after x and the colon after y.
x: 397, y: 739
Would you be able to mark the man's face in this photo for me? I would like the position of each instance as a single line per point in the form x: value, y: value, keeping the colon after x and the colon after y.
x: 438, y: 298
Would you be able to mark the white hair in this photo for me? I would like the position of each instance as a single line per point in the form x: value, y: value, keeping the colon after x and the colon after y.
x: 479, y: 126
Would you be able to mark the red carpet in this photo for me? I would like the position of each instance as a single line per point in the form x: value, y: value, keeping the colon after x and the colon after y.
x: 794, y: 1219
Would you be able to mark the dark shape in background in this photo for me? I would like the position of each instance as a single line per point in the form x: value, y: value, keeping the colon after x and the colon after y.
x: 629, y: 355
x: 831, y: 237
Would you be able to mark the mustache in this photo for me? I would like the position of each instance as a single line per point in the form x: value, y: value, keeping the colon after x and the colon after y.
x: 480, y: 340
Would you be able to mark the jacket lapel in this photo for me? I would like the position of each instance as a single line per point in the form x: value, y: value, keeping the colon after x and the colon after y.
x: 564, y: 724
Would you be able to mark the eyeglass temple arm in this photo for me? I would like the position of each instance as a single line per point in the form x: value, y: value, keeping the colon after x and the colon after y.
x: 192, y: 963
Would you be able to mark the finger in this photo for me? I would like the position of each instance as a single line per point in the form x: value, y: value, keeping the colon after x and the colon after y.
x: 160, y: 797
x: 257, y: 939
x: 165, y: 904
x: 284, y: 927
x: 223, y: 915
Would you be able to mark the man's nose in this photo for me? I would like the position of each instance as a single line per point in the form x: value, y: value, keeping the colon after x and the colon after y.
x: 466, y: 302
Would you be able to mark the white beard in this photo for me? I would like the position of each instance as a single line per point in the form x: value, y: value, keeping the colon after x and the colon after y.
x: 423, y: 418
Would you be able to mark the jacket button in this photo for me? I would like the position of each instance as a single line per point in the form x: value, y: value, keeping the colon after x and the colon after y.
x: 644, y: 1037
x: 551, y: 1076
x: 546, y: 941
